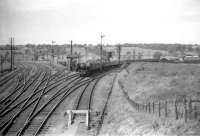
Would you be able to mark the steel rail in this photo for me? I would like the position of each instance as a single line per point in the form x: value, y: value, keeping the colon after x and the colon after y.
x: 11, y: 120
x: 34, y: 108
x: 65, y: 95
x: 43, y: 106
x: 20, y: 102
x: 25, y: 88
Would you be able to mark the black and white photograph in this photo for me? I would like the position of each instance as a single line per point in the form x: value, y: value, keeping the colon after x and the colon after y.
x: 99, y: 67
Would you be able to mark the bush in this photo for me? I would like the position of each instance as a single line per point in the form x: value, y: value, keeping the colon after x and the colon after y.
x: 157, y: 55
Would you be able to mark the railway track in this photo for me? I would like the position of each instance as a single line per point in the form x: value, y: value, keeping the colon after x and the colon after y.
x: 6, y: 78
x: 103, y: 113
x: 85, y: 101
x: 15, y: 77
x: 49, y: 87
x: 11, y: 97
x: 35, y: 123
x: 27, y: 73
x: 37, y: 97
x: 18, y: 83
x: 19, y: 90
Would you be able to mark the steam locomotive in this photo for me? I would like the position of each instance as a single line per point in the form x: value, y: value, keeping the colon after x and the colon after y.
x: 94, y: 66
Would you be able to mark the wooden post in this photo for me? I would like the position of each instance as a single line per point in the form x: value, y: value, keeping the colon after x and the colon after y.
x: 70, y: 118
x: 159, y: 113
x: 149, y: 107
x: 11, y: 52
x: 71, y: 52
x: 142, y: 108
x: 185, y: 109
x: 1, y: 64
x: 146, y: 107
x: 195, y: 112
x: 101, y: 52
x: 153, y: 107
x: 176, y: 111
x: 190, y: 109
x: 52, y: 52
x: 165, y: 108
x: 119, y: 53
x: 87, y: 119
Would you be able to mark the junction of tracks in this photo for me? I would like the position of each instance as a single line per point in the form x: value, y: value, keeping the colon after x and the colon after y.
x: 35, y: 98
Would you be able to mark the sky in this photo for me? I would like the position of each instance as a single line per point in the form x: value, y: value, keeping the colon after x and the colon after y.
x: 83, y: 21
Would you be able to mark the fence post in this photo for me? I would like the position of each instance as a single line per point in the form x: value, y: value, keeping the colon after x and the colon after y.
x: 195, y: 112
x: 190, y: 109
x: 165, y: 108
x: 153, y: 107
x: 159, y: 113
x: 176, y: 111
x: 149, y: 107
x: 146, y: 107
x: 185, y: 109
x: 138, y: 107
x: 143, y: 107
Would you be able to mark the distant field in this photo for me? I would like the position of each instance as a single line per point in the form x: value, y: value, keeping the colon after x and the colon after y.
x: 160, y: 81
x: 127, y: 52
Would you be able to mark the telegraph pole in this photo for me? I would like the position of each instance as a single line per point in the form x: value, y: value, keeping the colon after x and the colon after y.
x: 13, y: 59
x: 71, y: 55
x: 52, y: 52
x: 101, y: 51
x: 134, y: 55
x: 86, y: 52
x: 1, y: 64
x: 119, y: 53
x: 11, y: 53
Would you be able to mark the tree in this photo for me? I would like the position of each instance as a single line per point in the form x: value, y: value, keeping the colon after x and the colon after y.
x: 134, y: 55
x: 140, y: 55
x: 128, y: 55
x: 198, y: 51
x: 157, y: 55
x: 36, y: 56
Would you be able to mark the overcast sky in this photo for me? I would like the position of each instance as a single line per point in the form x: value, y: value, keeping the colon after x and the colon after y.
x: 83, y: 21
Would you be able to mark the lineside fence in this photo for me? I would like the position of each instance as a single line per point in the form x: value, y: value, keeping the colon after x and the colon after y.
x: 178, y: 109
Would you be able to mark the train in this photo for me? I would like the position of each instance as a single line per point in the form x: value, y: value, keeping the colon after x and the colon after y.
x: 93, y: 66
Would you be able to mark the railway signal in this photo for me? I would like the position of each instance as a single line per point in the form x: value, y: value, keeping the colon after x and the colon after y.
x: 52, y: 51
x: 71, y: 57
x: 101, y: 51
x: 11, y: 53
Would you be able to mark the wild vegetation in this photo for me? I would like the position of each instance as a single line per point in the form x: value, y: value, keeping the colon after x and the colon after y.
x: 167, y: 93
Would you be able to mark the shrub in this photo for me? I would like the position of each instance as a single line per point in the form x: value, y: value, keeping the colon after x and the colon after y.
x: 157, y: 55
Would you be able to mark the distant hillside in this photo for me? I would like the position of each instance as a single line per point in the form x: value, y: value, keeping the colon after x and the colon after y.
x: 166, y: 47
